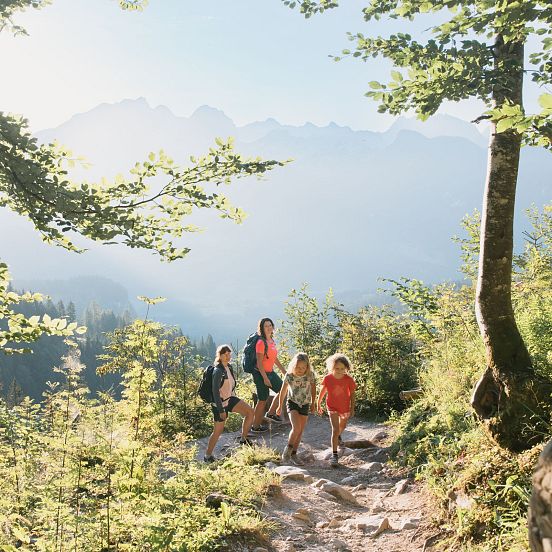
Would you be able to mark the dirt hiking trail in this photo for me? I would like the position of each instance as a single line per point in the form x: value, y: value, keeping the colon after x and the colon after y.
x: 363, y: 505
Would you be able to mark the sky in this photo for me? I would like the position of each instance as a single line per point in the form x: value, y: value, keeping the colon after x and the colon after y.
x: 251, y: 59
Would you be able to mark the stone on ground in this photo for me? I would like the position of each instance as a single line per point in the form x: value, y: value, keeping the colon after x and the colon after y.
x: 290, y: 472
x: 339, y: 492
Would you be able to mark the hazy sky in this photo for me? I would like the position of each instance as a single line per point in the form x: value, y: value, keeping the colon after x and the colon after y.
x: 251, y: 59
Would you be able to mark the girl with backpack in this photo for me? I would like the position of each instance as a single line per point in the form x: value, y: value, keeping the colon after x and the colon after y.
x: 225, y: 401
x: 339, y: 388
x: 300, y: 386
x: 264, y: 377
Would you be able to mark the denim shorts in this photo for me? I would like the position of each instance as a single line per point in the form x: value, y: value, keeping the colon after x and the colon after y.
x: 262, y: 390
x: 302, y: 409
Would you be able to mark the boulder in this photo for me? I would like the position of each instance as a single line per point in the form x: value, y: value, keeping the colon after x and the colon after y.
x: 400, y: 486
x: 338, y: 544
x: 326, y: 496
x: 411, y: 523
x: 339, y: 492
x: 371, y: 467
x: 358, y: 444
x: 379, y: 436
x: 354, y: 479
x: 303, y: 514
x: 214, y: 500
x: 373, y: 525
x: 327, y: 454
x: 292, y: 472
x: 319, y: 482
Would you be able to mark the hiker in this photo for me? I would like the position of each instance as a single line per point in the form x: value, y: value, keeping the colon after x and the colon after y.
x: 300, y: 386
x: 225, y: 401
x: 339, y: 388
x: 264, y: 376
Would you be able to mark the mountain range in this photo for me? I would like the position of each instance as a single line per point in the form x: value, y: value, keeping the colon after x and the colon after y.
x: 351, y: 206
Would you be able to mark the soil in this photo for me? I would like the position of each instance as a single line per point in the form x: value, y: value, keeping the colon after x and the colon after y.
x: 374, y: 491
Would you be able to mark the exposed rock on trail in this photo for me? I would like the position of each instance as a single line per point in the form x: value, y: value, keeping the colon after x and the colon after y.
x: 363, y: 505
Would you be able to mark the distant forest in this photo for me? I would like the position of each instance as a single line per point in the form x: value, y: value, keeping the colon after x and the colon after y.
x: 32, y: 374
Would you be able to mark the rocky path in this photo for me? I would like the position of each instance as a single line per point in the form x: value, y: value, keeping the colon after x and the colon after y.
x: 363, y: 505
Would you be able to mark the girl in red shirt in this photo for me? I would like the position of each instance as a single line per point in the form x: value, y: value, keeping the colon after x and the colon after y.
x: 340, y: 400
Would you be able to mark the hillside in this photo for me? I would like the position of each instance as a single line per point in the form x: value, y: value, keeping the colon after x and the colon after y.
x: 352, y: 206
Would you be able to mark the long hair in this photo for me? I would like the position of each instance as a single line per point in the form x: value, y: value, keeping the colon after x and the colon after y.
x: 298, y: 358
x: 338, y: 357
x: 260, y: 327
x: 221, y: 349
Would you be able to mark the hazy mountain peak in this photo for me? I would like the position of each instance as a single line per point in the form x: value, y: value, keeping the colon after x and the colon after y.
x: 439, y: 125
x: 210, y: 117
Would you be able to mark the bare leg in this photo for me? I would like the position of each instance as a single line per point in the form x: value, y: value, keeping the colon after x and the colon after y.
x: 342, y: 424
x: 274, y: 405
x: 334, y: 421
x: 302, y: 424
x: 296, y: 429
x: 259, y: 413
x: 217, y: 432
x: 247, y: 412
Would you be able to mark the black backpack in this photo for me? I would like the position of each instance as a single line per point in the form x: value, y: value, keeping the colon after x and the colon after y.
x: 205, y: 389
x: 249, y: 359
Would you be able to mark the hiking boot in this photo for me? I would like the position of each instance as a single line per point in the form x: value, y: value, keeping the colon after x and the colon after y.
x: 247, y: 442
x: 274, y: 418
x: 296, y: 460
x: 259, y: 429
x: 209, y: 459
x: 286, y: 455
x: 334, y: 462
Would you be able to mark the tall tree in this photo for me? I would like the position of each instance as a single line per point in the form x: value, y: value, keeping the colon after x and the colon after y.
x: 478, y: 51
x: 147, y: 210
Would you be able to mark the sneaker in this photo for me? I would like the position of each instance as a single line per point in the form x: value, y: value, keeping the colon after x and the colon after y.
x: 259, y: 429
x: 334, y: 462
x: 296, y: 460
x: 247, y: 442
x: 275, y: 418
x: 209, y: 459
x: 286, y: 455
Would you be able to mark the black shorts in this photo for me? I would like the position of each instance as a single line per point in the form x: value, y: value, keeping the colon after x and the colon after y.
x: 303, y: 410
x: 232, y: 402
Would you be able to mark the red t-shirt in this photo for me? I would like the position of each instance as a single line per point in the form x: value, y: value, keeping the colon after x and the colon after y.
x: 339, y: 392
x: 271, y: 353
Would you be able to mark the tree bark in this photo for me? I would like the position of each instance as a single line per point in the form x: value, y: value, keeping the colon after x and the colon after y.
x: 509, y: 397
x: 540, y: 506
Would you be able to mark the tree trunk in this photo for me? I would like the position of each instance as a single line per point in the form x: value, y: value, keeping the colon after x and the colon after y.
x: 509, y: 396
x: 540, y: 506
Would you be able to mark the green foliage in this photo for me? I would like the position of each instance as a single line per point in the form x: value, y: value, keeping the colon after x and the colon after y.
x: 75, y: 474
x: 380, y: 344
x: 139, y: 211
x: 146, y: 210
x: 9, y: 8
x: 17, y: 328
x: 160, y: 376
x: 382, y: 347
x: 458, y: 61
x: 438, y: 436
x: 311, y: 327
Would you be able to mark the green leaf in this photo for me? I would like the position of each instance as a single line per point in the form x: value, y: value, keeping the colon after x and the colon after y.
x: 504, y: 124
x: 545, y: 101
x: 397, y: 77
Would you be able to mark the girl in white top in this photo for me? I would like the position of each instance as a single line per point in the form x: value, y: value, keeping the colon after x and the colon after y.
x: 300, y: 386
x: 225, y: 401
